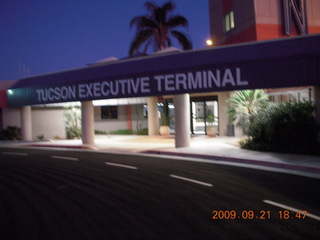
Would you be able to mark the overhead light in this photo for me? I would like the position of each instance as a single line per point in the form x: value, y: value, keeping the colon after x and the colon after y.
x: 209, y: 42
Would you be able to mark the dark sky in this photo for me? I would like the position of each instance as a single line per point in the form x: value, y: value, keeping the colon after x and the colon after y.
x: 42, y: 36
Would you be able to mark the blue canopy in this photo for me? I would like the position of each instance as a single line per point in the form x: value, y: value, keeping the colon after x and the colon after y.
x: 277, y: 63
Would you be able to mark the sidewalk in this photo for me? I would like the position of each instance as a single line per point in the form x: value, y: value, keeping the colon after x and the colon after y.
x: 221, y: 150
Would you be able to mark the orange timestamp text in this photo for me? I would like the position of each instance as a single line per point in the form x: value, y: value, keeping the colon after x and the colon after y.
x: 262, y: 215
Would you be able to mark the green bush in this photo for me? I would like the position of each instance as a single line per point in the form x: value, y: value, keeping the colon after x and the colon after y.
x: 142, y: 132
x: 73, y: 123
x: 73, y: 132
x: 10, y: 133
x: 244, y: 104
x: 289, y: 128
x: 100, y: 132
x: 40, y: 137
x: 122, y: 132
x: 129, y: 132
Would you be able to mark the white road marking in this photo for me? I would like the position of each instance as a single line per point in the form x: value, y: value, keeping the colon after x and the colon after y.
x: 15, y: 154
x: 291, y: 209
x: 121, y: 165
x: 65, y: 158
x: 192, y: 180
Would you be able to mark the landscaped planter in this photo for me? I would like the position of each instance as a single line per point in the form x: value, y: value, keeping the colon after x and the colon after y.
x: 212, y: 131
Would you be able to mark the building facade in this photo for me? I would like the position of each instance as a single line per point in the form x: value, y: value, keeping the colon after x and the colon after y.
x: 191, y: 86
x: 233, y: 21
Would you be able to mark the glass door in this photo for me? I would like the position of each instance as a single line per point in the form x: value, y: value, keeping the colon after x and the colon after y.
x: 198, y: 118
x: 203, y: 114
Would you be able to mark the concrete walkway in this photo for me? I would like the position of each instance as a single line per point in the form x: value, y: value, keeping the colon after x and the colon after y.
x: 220, y: 150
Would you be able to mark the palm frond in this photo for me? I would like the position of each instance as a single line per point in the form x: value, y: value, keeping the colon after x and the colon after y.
x: 139, y: 39
x: 161, y: 13
x: 158, y: 26
x: 142, y: 22
x: 160, y: 16
x: 183, y: 39
x: 244, y: 105
x: 151, y: 6
x: 177, y: 21
x: 169, y: 42
x: 135, y: 21
x: 146, y: 46
x: 168, y: 6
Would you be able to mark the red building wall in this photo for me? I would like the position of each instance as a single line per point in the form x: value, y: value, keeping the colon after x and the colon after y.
x: 3, y: 99
x: 256, y: 20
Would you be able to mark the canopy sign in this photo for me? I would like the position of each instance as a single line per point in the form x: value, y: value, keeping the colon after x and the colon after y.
x: 282, y: 63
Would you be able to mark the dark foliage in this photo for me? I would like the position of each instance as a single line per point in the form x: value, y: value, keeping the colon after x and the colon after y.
x: 10, y: 133
x: 159, y: 27
x: 288, y: 128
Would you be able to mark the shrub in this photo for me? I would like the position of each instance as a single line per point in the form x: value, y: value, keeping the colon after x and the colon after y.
x: 10, y: 133
x: 244, y: 104
x: 129, y: 132
x: 142, y: 132
x: 73, y: 125
x: 100, y: 132
x: 122, y: 132
x: 164, y: 120
x: 40, y: 137
x: 73, y: 132
x: 289, y: 128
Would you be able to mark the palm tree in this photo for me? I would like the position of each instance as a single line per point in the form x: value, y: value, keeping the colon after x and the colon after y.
x: 158, y: 27
x: 243, y: 105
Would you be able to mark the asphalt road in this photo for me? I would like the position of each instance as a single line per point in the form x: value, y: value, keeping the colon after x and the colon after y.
x: 68, y: 194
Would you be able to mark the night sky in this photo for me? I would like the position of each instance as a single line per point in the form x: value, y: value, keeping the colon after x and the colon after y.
x: 43, y: 36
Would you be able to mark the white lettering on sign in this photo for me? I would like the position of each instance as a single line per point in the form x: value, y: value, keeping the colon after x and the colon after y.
x: 181, y: 81
x: 145, y: 85
x: 228, y: 78
x: 239, y: 81
x: 214, y: 78
x: 199, y: 80
x: 56, y: 94
x: 195, y: 81
x: 114, y: 88
x: 167, y: 83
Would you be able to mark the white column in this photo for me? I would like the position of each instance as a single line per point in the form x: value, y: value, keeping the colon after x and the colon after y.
x: 316, y: 99
x: 182, y: 120
x: 223, y: 115
x: 26, y: 123
x: 153, y: 119
x: 87, y: 122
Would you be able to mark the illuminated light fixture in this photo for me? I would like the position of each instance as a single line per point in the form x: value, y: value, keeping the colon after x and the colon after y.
x: 209, y: 42
x: 10, y: 92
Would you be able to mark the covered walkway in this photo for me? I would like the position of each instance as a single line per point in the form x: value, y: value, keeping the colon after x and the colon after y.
x: 288, y: 62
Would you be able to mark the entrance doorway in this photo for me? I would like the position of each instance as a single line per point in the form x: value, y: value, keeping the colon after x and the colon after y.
x: 204, y: 112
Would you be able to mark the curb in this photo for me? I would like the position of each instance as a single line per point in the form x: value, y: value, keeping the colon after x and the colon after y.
x: 293, y: 167
x: 239, y: 160
x: 88, y: 147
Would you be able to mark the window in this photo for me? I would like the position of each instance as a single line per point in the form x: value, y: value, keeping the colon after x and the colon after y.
x: 109, y: 112
x: 229, y: 21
